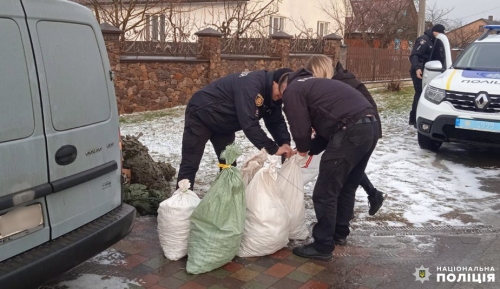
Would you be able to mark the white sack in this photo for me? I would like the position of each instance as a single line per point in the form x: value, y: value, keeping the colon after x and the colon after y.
x: 311, y: 168
x: 291, y: 184
x: 251, y: 165
x: 173, y: 221
x: 267, y: 218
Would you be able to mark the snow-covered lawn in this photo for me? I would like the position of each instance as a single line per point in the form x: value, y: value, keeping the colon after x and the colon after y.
x: 454, y: 187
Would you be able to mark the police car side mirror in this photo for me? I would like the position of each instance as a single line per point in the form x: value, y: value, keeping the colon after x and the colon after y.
x: 434, y: 65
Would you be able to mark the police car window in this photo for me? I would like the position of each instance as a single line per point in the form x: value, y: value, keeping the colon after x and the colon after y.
x: 480, y: 56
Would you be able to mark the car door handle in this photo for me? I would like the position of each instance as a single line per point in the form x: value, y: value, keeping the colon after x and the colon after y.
x: 66, y: 155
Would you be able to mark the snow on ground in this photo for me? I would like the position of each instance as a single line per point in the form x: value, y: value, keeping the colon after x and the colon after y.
x: 109, y: 257
x: 423, y: 188
x: 85, y: 281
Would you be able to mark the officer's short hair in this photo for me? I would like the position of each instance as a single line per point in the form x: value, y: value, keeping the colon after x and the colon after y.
x: 320, y: 66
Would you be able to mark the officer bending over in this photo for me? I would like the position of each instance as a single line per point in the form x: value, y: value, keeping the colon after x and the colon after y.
x: 341, y: 114
x: 232, y: 103
x: 319, y: 65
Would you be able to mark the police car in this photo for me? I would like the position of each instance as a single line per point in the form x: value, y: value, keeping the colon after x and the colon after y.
x: 461, y: 100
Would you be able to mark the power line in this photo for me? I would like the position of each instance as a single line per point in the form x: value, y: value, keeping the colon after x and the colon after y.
x: 479, y: 13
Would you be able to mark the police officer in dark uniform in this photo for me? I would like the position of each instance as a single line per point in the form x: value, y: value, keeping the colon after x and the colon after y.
x: 419, y: 56
x: 318, y: 144
x: 232, y: 103
x: 341, y: 114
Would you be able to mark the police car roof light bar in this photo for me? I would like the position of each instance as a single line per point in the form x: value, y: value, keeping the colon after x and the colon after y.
x: 488, y: 29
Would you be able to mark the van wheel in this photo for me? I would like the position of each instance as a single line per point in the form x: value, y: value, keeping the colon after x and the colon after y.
x: 427, y: 143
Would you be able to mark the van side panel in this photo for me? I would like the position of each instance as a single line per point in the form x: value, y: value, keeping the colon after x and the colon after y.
x: 80, y: 113
x: 23, y: 159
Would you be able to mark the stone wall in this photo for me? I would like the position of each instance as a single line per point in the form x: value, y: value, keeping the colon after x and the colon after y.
x: 145, y: 83
x: 157, y: 85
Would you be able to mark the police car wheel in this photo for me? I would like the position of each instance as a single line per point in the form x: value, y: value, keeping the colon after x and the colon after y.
x: 427, y: 143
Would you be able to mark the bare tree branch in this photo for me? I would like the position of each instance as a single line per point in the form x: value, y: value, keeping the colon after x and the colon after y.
x: 373, y: 22
x: 436, y: 15
x: 237, y: 18
x: 340, y: 12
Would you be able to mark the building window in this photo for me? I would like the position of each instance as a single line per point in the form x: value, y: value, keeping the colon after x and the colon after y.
x: 155, y: 27
x: 277, y: 24
x: 322, y: 28
x: 481, y: 28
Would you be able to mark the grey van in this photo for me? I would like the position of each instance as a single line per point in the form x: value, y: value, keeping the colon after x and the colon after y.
x: 60, y: 158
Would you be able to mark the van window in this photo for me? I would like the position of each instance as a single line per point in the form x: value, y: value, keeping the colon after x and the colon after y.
x: 16, y: 108
x: 75, y: 74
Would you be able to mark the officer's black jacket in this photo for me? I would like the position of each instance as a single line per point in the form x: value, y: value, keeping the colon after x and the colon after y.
x: 318, y: 144
x: 324, y: 104
x: 421, y: 51
x: 349, y: 78
x: 233, y: 103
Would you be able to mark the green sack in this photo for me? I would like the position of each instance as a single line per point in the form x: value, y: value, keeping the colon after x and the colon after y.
x: 217, y: 223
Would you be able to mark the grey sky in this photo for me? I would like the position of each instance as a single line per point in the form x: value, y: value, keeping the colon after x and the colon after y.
x: 469, y: 10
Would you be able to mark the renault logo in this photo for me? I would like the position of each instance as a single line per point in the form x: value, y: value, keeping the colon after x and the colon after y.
x: 482, y: 100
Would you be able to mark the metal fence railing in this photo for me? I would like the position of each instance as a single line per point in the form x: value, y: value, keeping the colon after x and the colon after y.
x: 373, y: 64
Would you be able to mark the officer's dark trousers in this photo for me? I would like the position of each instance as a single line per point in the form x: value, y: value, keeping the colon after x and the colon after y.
x: 417, y: 85
x: 196, y: 135
x: 367, y: 185
x: 341, y: 169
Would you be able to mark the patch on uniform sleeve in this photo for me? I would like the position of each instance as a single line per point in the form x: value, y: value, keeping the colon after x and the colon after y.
x: 259, y: 100
x: 422, y: 41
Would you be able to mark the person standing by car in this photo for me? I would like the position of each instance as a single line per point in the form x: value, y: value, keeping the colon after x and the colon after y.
x: 230, y: 104
x: 341, y: 114
x: 420, y: 54
x: 318, y: 64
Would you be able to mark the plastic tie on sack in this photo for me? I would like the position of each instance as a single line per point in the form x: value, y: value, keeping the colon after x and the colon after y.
x: 231, y: 153
x: 184, y: 185
x: 223, y: 166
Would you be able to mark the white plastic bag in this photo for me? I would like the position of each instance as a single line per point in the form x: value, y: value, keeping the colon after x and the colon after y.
x: 291, y: 184
x: 173, y: 221
x: 252, y: 165
x: 311, y: 168
x: 267, y: 219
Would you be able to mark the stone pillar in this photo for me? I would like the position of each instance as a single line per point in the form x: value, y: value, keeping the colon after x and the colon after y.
x: 111, y: 37
x: 331, y: 46
x: 280, y: 41
x: 209, y: 47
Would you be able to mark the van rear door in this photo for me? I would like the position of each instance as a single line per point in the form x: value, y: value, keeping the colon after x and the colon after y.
x: 80, y: 114
x: 23, y: 159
